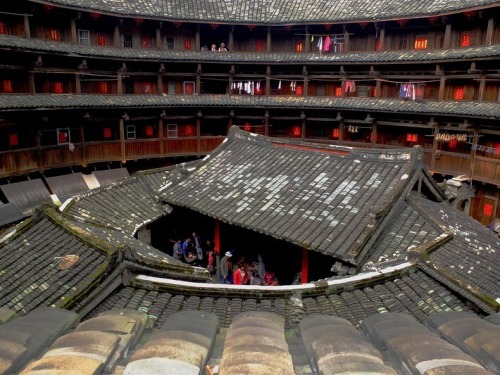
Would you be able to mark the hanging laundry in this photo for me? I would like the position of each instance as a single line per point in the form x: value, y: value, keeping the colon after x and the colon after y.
x: 312, y: 38
x: 279, y: 85
x: 350, y: 86
x: 326, y: 46
x: 320, y: 44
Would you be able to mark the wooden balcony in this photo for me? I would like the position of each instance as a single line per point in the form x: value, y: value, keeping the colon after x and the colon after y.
x: 15, y: 162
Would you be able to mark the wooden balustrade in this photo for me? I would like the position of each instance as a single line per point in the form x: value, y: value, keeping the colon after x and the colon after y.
x: 29, y: 160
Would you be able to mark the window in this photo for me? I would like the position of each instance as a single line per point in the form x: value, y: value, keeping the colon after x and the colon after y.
x: 148, y: 88
x: 171, y: 87
x: 335, y: 133
x: 458, y: 93
x: 3, y: 28
x: 299, y: 46
x: 189, y: 87
x: 146, y: 42
x: 187, y: 44
x: 101, y: 40
x: 58, y: 88
x: 13, y: 139
x: 338, y: 91
x: 7, y: 86
x: 127, y: 40
x: 421, y: 43
x: 106, y: 133
x: 54, y: 34
x: 130, y: 131
x: 465, y: 40
x: 83, y: 36
x: 488, y: 209
x: 169, y: 43
x: 103, y: 88
x: 299, y: 90
x: 259, y: 45
x: 411, y: 137
x: 149, y: 130
x: 296, y: 131
x: 172, y: 130
x: 63, y: 136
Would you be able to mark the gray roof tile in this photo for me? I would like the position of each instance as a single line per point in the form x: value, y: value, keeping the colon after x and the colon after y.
x: 273, y: 12
x: 488, y: 110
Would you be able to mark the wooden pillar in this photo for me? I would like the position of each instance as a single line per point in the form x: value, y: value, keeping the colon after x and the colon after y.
x: 378, y: 88
x: 303, y: 129
x: 268, y: 43
x: 434, y: 149
x: 341, y: 131
x: 230, y: 41
x: 197, y: 39
x: 347, y: 46
x: 159, y: 44
x: 160, y: 135
x: 231, y: 79
x: 198, y: 80
x: 489, y: 31
x: 442, y: 86
x: 305, y: 92
x: 447, y: 37
x: 482, y: 84
x: 307, y: 44
x: 217, y: 247
x: 266, y: 123
x: 472, y: 165
x: 27, y: 32
x: 74, y: 37
x: 305, y: 266
x: 122, y: 140
x: 116, y: 37
x: 31, y: 78
x: 82, y: 145
x: 382, y: 39
x: 268, y: 80
x: 119, y: 83
x: 78, y: 83
x: 374, y: 133
x: 198, y: 128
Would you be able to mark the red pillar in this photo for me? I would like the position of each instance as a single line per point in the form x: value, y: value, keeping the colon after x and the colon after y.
x: 217, y: 237
x: 305, y: 266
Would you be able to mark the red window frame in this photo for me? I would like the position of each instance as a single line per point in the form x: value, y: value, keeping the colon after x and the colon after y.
x: 411, y: 137
x: 336, y: 133
x: 101, y: 40
x: 106, y: 132
x: 58, y: 88
x: 7, y: 86
x: 187, y: 44
x: 465, y: 40
x: 299, y: 46
x: 54, y: 34
x: 13, y: 139
x: 458, y: 93
x: 3, y: 28
x: 259, y: 45
x: 103, y: 88
x: 421, y: 43
x: 338, y: 91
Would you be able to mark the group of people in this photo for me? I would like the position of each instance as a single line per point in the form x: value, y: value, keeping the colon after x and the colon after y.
x: 194, y: 251
x: 245, y: 273
x: 213, y: 48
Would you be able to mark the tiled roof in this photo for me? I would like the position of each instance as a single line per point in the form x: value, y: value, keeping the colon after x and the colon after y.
x: 470, y: 109
x: 431, y: 56
x: 273, y: 12
x: 471, y: 256
x: 33, y: 268
x: 328, y: 199
x: 126, y: 205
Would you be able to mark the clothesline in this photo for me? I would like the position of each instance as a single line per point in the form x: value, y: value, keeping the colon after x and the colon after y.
x: 403, y: 82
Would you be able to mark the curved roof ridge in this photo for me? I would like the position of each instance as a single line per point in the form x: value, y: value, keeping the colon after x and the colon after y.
x: 275, y: 12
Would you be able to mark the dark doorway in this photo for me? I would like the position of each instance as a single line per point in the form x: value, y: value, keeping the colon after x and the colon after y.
x: 280, y: 257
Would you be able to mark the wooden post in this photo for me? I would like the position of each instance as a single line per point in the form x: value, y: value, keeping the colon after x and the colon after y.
x: 442, y: 85
x: 231, y: 39
x: 27, y: 32
x: 307, y: 44
x: 447, y: 37
x: 160, y: 135
x: 122, y: 140
x: 382, y: 39
x: 78, y: 83
x: 159, y: 44
x: 266, y: 123
x: 305, y: 266
x: 489, y: 31
x: 197, y: 39
x: 482, y: 84
x: 268, y: 44
x: 82, y: 145
x: 74, y: 37
x: 268, y: 80
x: 116, y: 38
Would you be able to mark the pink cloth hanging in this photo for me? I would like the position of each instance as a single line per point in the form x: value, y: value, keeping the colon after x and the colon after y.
x: 326, y: 45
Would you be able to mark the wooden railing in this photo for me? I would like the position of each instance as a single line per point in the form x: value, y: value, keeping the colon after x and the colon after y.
x: 37, y: 159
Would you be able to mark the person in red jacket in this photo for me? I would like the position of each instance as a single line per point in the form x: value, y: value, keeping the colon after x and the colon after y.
x: 240, y: 276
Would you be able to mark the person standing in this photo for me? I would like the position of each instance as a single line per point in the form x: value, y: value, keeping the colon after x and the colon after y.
x: 177, y: 250
x: 225, y: 265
